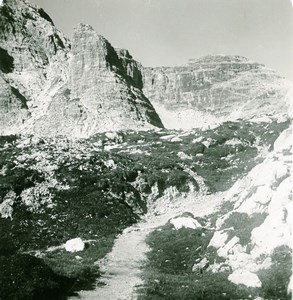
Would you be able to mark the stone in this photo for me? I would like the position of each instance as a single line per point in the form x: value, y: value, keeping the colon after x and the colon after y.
x: 246, y: 278
x: 198, y: 267
x: 218, y: 240
x: 185, y: 222
x: 228, y: 248
x: 6, y: 207
x: 74, y: 245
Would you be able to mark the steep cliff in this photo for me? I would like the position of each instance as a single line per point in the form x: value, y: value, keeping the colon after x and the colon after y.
x: 97, y: 94
x: 132, y: 67
x: 212, y: 89
x: 29, y: 41
x: 50, y: 86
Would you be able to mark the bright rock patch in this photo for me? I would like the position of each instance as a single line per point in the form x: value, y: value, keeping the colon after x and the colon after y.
x: 185, y: 222
x: 245, y: 277
x: 266, y: 191
x: 74, y: 245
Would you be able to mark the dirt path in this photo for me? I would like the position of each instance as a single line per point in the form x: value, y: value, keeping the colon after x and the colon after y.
x: 122, y: 266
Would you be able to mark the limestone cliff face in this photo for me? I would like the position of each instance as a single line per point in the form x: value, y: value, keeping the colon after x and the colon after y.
x: 50, y: 86
x: 132, y: 67
x: 96, y: 93
x: 214, y: 88
x: 29, y: 35
x: 29, y: 42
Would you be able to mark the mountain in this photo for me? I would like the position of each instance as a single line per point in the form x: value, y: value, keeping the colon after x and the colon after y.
x: 50, y: 85
x: 213, y: 89
x: 53, y: 86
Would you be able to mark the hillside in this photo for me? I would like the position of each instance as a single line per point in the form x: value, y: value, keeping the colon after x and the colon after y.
x: 242, y: 250
x: 56, y: 189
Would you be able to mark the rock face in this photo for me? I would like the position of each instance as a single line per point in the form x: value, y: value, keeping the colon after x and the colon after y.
x: 212, y: 89
x: 260, y: 222
x: 28, y: 41
x: 50, y: 86
x: 132, y: 67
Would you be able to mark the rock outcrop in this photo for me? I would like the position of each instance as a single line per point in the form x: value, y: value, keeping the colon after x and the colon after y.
x: 132, y: 67
x: 50, y: 86
x: 212, y: 89
x: 259, y: 227
x: 29, y: 41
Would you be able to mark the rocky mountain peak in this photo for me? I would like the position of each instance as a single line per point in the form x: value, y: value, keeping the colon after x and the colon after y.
x: 94, y: 52
x: 49, y: 85
x: 214, y: 88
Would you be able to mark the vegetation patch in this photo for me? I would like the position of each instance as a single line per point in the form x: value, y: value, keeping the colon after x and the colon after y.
x: 29, y: 278
x: 275, y: 280
x: 168, y: 273
x: 242, y: 224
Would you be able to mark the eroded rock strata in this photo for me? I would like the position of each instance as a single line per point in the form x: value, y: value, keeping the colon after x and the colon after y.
x: 212, y: 89
x: 51, y: 86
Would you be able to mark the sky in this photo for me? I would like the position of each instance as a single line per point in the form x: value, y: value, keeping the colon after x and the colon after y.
x: 169, y: 32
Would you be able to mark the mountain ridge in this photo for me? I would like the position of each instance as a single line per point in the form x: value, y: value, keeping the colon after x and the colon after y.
x: 214, y: 88
x: 46, y: 89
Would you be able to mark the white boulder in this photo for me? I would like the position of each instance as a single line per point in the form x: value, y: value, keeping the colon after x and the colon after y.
x: 74, y: 245
x: 185, y: 222
x: 244, y: 277
x: 219, y: 239
x: 228, y: 248
x: 6, y: 207
x: 200, y: 265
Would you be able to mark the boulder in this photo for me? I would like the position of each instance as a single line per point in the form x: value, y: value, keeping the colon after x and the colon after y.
x: 74, y: 245
x: 185, y: 222
x: 198, y: 267
x: 246, y: 278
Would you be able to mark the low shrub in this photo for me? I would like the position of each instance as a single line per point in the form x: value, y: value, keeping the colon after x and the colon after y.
x: 24, y: 277
x: 168, y: 270
x: 243, y: 224
x: 275, y: 280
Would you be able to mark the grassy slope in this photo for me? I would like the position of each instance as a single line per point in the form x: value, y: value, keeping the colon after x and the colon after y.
x: 168, y: 271
x: 89, y: 188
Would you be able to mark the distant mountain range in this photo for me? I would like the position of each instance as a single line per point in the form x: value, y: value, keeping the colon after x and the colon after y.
x: 50, y: 85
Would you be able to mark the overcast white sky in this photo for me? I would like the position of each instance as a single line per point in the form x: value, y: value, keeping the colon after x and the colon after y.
x: 169, y: 32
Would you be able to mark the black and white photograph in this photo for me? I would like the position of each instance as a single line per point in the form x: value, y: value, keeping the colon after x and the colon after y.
x: 146, y: 149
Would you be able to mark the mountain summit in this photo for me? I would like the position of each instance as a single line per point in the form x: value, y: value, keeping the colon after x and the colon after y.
x: 213, y: 89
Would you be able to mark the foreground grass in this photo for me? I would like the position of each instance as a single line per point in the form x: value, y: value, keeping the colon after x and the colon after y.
x: 168, y: 272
